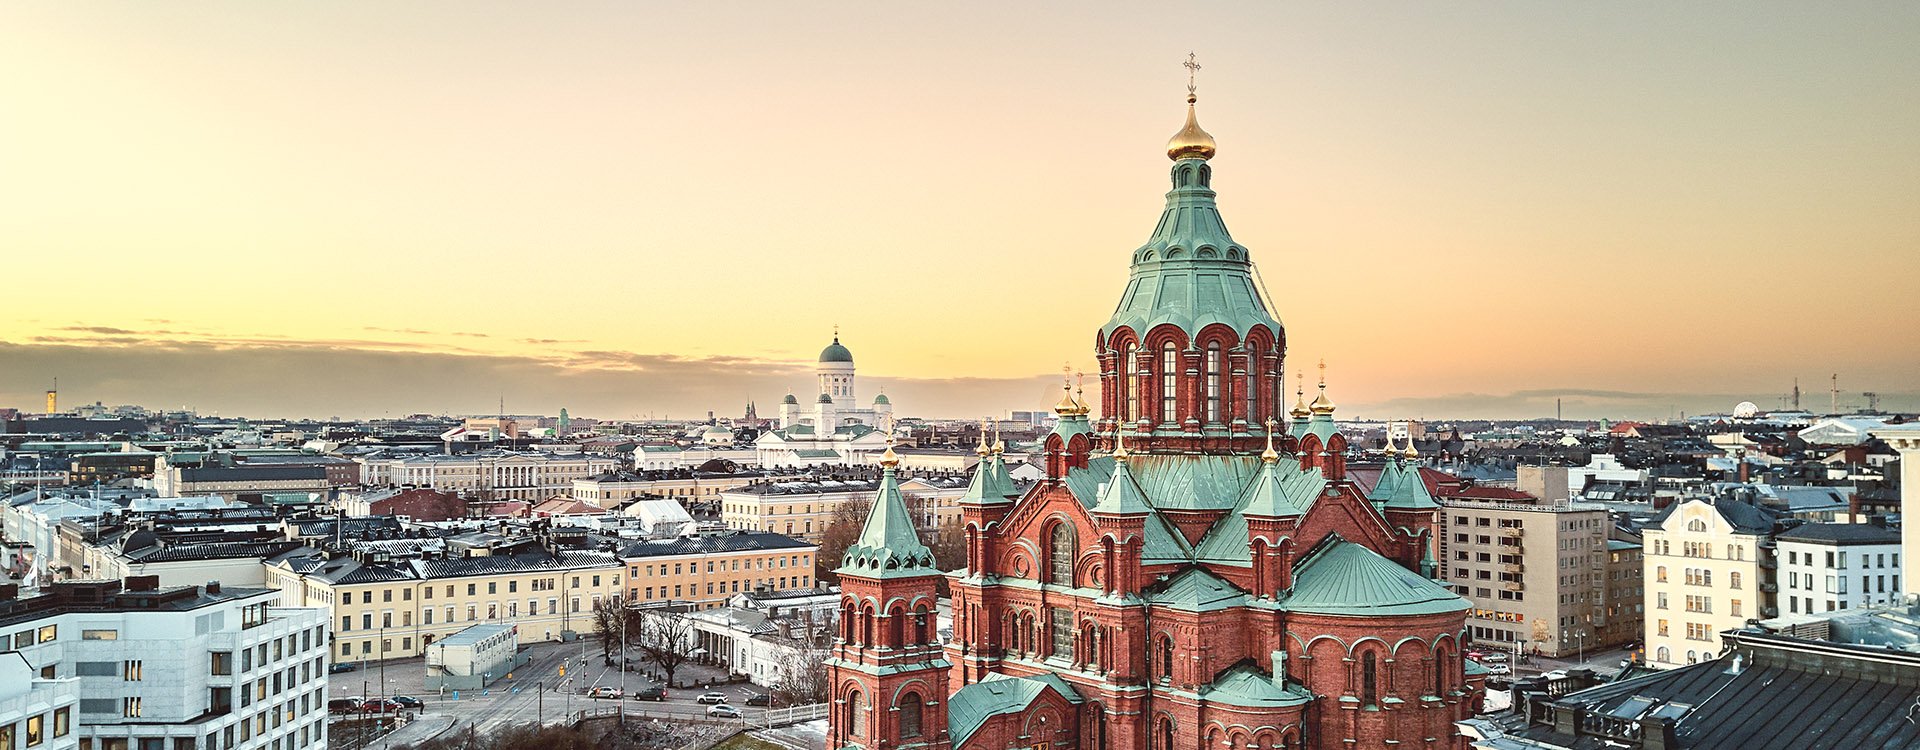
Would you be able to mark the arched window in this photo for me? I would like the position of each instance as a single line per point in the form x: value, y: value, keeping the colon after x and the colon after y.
x: 920, y: 625
x: 909, y: 715
x: 1440, y: 663
x: 1696, y: 525
x: 896, y: 628
x: 1369, y: 685
x: 866, y: 627
x: 1663, y: 655
x: 1166, y: 658
x: 1061, y: 547
x: 1130, y: 396
x: 856, y: 716
x: 1169, y: 383
x: 1253, y: 383
x: 1166, y: 734
x: 1213, y: 383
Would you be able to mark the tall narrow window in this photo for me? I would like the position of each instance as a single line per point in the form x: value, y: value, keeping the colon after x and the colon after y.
x: 1130, y: 398
x: 1060, y: 554
x: 1166, y: 657
x: 1213, y: 383
x: 856, y: 716
x: 1253, y: 379
x: 1166, y: 734
x: 1060, y: 622
x: 1169, y: 382
x: 1369, y: 689
x: 909, y: 715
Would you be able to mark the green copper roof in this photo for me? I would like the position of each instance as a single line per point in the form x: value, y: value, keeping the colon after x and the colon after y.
x: 1174, y: 482
x: 1343, y: 578
x: 1071, y: 425
x: 1248, y: 687
x: 1002, y: 477
x: 1322, y: 426
x: 888, y: 546
x: 835, y: 352
x: 1282, y: 490
x: 984, y: 488
x: 1298, y: 428
x: 1122, y: 496
x: 882, y: 399
x: 997, y: 694
x: 1190, y: 272
x: 1400, y: 486
x: 1196, y: 590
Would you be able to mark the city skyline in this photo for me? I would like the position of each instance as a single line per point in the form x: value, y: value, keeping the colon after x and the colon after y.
x: 342, y: 211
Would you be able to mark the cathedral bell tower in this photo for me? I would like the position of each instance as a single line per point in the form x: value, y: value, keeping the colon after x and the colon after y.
x: 888, y: 673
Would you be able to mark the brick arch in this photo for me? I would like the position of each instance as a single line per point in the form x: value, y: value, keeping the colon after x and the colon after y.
x: 1163, y: 333
x: 925, y: 689
x: 1220, y: 332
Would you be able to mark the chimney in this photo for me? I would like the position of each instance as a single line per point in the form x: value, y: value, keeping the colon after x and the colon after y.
x: 213, y: 587
x: 1658, y: 734
x: 143, y: 583
x: 9, y: 592
x: 1279, y: 658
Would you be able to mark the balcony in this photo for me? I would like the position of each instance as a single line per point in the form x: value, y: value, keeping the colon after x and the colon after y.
x: 1771, y: 588
x: 1513, y: 567
x: 1769, y: 563
x: 1513, y: 586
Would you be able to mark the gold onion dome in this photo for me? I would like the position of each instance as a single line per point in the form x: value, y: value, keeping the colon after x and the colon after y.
x: 1270, y: 455
x: 890, y: 459
x: 1299, y: 410
x: 1067, y: 406
x: 1191, y: 142
x: 1322, y: 404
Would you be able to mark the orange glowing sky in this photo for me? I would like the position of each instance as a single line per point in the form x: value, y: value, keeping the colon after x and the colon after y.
x: 662, y: 208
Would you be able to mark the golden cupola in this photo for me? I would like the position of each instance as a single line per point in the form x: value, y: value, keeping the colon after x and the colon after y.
x: 1191, y: 142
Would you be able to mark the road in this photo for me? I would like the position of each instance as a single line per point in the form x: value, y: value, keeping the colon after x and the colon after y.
x: 537, y: 692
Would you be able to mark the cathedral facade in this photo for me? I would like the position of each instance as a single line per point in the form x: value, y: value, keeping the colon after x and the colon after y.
x: 1195, y: 571
x: 834, y: 429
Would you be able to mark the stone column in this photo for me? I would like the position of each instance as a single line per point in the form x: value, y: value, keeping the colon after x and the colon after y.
x: 1906, y: 439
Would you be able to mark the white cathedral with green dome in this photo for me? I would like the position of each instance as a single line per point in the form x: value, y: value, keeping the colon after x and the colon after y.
x: 834, y: 428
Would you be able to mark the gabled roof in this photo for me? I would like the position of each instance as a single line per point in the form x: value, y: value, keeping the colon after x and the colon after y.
x: 995, y: 695
x: 1277, y: 491
x: 1400, y: 487
x: 1342, y: 578
x: 888, y: 545
x: 1196, y: 590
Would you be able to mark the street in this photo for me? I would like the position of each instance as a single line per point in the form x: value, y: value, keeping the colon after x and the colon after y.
x: 536, y: 692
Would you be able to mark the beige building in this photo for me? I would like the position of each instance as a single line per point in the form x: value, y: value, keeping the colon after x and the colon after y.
x: 490, y: 475
x: 386, y: 608
x: 1626, y: 594
x: 1708, y: 568
x: 804, y: 509
x: 613, y: 489
x: 1536, y: 573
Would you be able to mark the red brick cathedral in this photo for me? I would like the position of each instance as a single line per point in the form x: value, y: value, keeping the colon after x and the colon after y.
x: 1189, y: 575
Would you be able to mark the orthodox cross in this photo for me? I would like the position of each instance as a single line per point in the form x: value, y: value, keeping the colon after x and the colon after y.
x: 1193, y: 67
x: 1323, y: 372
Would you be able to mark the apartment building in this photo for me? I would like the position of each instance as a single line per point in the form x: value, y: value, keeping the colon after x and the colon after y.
x: 1709, y: 566
x: 704, y: 571
x: 804, y: 508
x: 612, y: 489
x: 186, y: 668
x: 1536, y: 573
x: 1830, y: 566
x: 36, y: 712
x: 487, y: 475
x: 1626, y: 593
x: 386, y: 607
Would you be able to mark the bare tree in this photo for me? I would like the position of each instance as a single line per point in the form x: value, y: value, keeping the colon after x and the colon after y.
x: 611, y: 618
x: 803, y: 676
x: 841, y: 532
x: 665, y: 639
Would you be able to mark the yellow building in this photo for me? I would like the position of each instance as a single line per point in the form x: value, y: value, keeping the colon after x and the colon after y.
x: 705, y: 570
x: 614, y: 488
x: 804, y: 509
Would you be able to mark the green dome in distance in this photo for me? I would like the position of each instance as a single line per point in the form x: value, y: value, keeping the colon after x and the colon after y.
x: 835, y: 352
x: 789, y: 399
x: 882, y: 399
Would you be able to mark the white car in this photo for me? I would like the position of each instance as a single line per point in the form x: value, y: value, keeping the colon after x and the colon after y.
x: 723, y: 711
x: 1497, y: 668
x: 711, y: 699
x: 1495, y: 656
x: 604, y: 691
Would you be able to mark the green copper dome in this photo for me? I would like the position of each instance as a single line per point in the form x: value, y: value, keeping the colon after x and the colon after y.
x: 835, y: 352
x: 790, y: 399
x: 1190, y: 273
x: 882, y: 399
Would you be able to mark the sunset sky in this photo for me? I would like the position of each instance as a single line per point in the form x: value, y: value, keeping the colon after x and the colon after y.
x: 634, y: 208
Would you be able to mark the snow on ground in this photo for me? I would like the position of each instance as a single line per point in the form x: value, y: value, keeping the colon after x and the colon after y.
x: 811, y: 735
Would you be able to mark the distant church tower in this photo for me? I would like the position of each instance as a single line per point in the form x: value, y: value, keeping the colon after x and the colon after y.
x: 836, y: 372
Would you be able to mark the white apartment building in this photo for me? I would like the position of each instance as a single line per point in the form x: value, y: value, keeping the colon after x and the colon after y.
x: 191, y: 668
x: 1709, y: 566
x: 1829, y: 566
x: 1536, y: 573
x: 488, y: 475
x: 35, y: 712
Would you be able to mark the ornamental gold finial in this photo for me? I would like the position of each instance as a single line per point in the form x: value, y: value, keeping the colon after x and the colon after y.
x: 999, y: 446
x: 983, y: 450
x: 1270, y: 455
x: 1079, y: 401
x: 1322, y: 405
x: 1191, y: 142
x: 1067, y: 406
x: 1411, y: 454
x: 1120, y: 445
x: 889, y: 460
x: 1300, y: 410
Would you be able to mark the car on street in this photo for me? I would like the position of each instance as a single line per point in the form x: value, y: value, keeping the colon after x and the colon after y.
x: 343, y: 705
x: 409, y: 702
x: 604, y: 691
x: 760, y: 699
x: 655, y: 693
x: 723, y: 711
x: 711, y: 699
x: 1500, y: 656
x: 1497, y: 668
x: 378, y: 706
x: 345, y: 666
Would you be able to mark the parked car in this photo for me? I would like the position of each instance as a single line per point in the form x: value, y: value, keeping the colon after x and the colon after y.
x: 762, y: 699
x: 1499, y: 656
x: 604, y: 691
x: 409, y: 702
x: 377, y: 706
x: 343, y: 666
x: 1497, y: 668
x: 655, y: 693
x: 711, y: 699
x: 723, y: 711
x: 343, y: 705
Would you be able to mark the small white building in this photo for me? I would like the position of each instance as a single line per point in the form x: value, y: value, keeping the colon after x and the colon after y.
x: 36, y: 712
x: 474, y: 657
x: 1831, y: 566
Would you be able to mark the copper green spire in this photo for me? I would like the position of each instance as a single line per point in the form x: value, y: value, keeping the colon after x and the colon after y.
x: 888, y: 545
